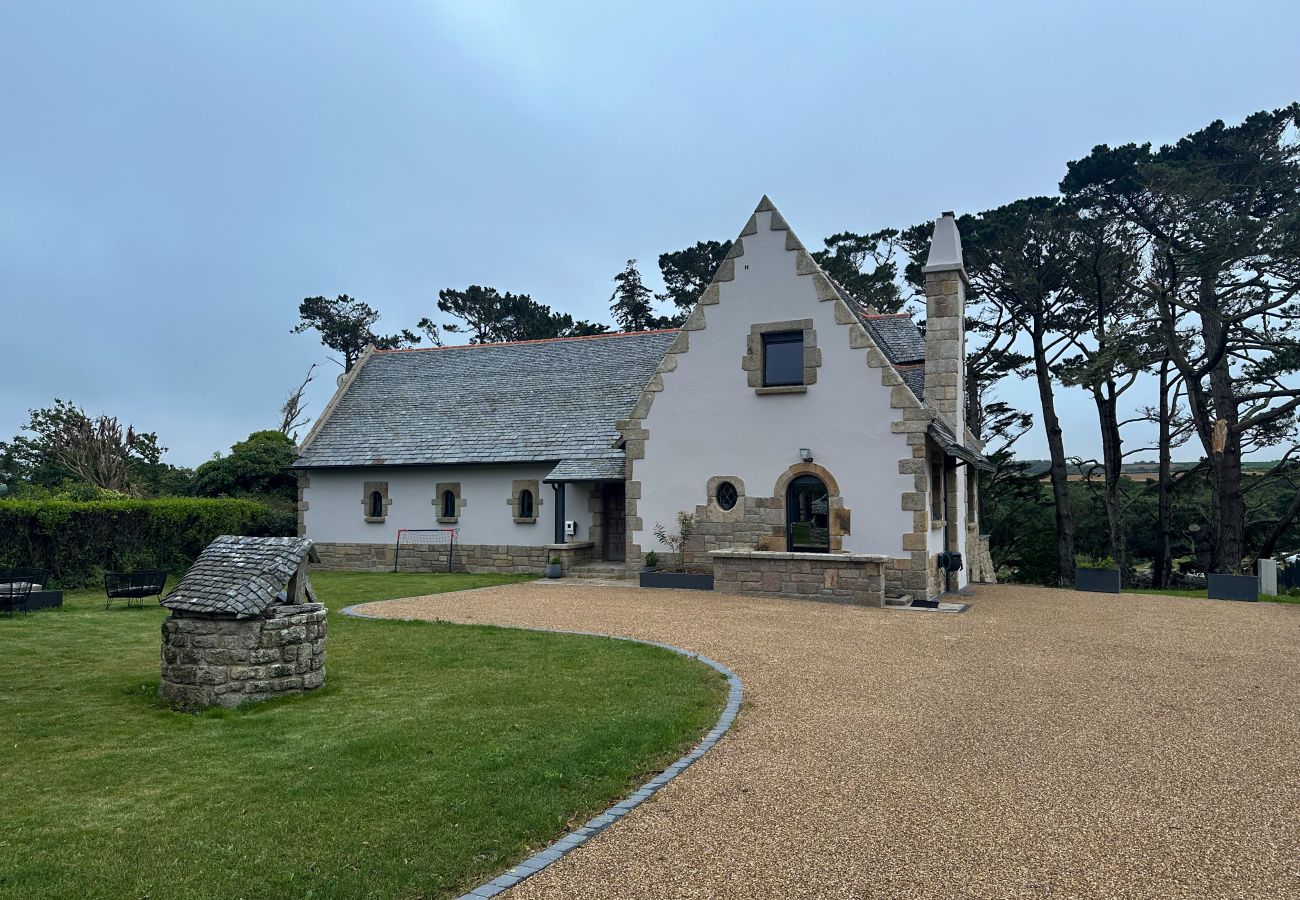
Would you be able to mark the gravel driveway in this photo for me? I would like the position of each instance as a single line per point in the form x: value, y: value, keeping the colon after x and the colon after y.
x: 1043, y: 744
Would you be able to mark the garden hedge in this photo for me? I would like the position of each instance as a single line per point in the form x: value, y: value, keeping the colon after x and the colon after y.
x: 76, y: 542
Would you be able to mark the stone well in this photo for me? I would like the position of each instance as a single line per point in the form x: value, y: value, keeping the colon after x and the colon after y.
x: 244, y: 625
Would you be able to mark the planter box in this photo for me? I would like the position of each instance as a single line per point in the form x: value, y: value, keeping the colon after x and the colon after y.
x: 1233, y: 587
x: 1101, y: 581
x: 682, y: 581
x: 45, y: 600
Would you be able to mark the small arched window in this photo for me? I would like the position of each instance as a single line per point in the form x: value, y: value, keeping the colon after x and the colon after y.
x: 525, y: 504
x: 448, y: 505
x: 376, y: 505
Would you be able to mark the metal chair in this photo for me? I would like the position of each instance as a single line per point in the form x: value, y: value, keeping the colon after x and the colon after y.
x: 133, y: 587
x: 15, y: 588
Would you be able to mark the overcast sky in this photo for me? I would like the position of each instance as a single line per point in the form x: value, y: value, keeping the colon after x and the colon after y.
x: 176, y: 177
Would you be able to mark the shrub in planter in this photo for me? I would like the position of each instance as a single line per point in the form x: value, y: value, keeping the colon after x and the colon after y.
x: 651, y: 561
x: 677, y: 575
x: 1097, y: 575
x: 554, y: 569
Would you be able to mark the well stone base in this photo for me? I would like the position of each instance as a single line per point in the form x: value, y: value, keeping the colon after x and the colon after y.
x: 211, y: 661
x: 837, y: 577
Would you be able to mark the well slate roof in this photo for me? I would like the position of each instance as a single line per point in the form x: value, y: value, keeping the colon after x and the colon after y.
x: 531, y: 401
x: 238, y: 576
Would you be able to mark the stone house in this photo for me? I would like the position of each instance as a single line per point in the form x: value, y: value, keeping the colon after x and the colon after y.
x: 813, y: 439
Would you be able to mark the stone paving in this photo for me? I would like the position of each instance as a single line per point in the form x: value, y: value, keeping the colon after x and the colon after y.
x: 1044, y: 743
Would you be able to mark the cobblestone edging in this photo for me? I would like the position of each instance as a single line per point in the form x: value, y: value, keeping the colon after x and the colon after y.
x: 594, y: 826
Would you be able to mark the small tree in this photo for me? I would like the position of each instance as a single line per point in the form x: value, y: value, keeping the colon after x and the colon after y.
x: 676, y: 541
x: 258, y: 466
x: 100, y: 451
x: 687, y: 273
x: 489, y: 316
x: 346, y: 325
x: 293, y: 412
x: 631, y: 302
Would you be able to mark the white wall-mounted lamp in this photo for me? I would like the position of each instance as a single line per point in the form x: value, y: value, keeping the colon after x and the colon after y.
x: 805, y: 454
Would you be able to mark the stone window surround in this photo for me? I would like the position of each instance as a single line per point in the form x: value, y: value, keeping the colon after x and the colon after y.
x: 517, y: 487
x: 716, y: 512
x: 368, y: 488
x: 752, y: 361
x: 840, y: 516
x: 438, y: 490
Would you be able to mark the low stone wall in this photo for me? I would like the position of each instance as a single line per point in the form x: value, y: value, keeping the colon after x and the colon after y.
x: 837, y: 577
x: 211, y: 661
x: 509, y: 559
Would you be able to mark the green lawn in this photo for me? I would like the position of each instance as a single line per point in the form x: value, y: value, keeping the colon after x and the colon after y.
x: 1203, y: 593
x: 436, y: 755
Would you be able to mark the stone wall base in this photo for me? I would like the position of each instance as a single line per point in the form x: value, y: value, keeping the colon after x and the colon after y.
x: 508, y: 559
x: 837, y: 577
x: 211, y: 661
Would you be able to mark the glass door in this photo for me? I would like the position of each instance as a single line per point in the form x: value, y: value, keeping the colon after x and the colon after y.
x: 808, y: 515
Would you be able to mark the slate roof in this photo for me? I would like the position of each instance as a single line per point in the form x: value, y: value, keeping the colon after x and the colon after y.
x: 942, y: 435
x: 897, y: 336
x: 610, y: 468
x: 530, y: 401
x: 238, y: 576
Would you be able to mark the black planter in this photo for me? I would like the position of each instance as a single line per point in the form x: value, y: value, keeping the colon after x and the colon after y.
x: 554, y: 570
x: 1233, y: 587
x: 682, y: 581
x: 1101, y: 581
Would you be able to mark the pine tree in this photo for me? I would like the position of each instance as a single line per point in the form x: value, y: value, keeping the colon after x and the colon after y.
x: 631, y: 302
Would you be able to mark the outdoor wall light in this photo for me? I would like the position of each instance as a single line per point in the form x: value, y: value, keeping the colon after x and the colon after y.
x: 805, y: 454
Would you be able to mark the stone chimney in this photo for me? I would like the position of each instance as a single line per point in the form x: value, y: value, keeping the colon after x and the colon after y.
x: 945, y: 325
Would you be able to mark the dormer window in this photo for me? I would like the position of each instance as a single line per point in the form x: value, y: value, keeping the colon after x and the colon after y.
x: 782, y: 358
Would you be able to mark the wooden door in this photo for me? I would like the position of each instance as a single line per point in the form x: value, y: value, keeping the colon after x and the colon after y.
x: 614, y: 522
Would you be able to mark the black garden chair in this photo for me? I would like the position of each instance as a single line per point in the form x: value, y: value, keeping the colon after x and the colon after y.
x: 133, y: 587
x: 16, y: 588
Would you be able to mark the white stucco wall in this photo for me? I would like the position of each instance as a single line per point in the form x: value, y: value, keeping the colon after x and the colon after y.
x: 708, y: 420
x: 335, y: 513
x: 957, y: 507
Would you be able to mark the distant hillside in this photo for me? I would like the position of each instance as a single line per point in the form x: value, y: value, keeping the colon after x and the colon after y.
x: 1138, y: 471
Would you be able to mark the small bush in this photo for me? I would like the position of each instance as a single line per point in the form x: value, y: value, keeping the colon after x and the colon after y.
x: 77, y: 541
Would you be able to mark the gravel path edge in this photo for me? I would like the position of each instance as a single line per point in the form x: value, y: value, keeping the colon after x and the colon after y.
x: 598, y: 823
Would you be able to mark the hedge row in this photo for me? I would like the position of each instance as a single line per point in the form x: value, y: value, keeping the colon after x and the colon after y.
x: 76, y: 542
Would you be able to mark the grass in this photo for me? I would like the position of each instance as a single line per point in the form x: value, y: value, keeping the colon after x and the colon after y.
x: 1203, y: 593
x: 436, y: 755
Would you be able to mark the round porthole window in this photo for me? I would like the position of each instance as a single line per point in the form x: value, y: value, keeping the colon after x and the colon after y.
x: 726, y: 495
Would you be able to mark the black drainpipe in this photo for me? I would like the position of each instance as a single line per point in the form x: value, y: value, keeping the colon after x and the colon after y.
x: 558, y: 487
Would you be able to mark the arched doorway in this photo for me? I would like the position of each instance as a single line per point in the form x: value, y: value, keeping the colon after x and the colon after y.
x: 807, y: 515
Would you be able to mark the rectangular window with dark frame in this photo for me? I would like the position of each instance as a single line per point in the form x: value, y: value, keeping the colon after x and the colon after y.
x: 782, y: 358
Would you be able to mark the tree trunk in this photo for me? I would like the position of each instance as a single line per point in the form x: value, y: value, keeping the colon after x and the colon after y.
x: 1112, y: 457
x: 1228, y: 505
x: 1162, y: 569
x: 1056, y: 451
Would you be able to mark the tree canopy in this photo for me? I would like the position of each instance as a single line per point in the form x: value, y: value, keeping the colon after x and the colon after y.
x: 346, y: 326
